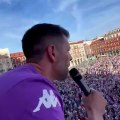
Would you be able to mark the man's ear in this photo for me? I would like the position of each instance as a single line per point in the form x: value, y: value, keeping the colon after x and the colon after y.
x: 52, y: 53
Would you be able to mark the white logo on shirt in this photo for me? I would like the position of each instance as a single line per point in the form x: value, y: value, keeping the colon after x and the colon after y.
x: 48, y: 100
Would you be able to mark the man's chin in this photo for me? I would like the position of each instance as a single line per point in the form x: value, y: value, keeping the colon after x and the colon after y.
x: 63, y: 78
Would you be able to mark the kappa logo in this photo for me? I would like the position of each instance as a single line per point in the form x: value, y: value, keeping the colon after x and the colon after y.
x: 48, y: 100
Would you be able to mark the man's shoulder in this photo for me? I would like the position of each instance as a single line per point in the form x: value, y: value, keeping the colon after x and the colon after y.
x: 21, y: 72
x: 23, y: 75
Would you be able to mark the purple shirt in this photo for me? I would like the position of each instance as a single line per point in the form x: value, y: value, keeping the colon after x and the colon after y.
x: 27, y: 95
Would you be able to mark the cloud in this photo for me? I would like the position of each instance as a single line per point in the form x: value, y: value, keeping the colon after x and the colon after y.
x: 93, y: 5
x: 84, y: 19
x: 9, y: 2
x: 77, y: 15
x: 95, y: 19
x: 12, y: 35
x: 104, y: 22
x: 12, y: 29
x: 64, y: 4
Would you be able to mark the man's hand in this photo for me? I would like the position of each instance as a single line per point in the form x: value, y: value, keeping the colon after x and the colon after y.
x: 95, y: 105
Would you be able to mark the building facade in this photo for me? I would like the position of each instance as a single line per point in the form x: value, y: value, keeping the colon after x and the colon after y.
x: 5, y: 61
x: 107, y: 45
x: 96, y: 46
x: 18, y: 59
x: 87, y: 48
x: 77, y: 52
x: 112, y: 43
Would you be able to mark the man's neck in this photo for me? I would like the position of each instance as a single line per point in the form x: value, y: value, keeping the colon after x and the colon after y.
x: 42, y: 71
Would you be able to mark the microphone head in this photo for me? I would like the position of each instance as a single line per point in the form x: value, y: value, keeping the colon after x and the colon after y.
x: 76, y: 76
x: 74, y: 73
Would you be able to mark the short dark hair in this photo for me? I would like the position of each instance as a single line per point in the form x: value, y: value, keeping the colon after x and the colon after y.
x: 35, y: 39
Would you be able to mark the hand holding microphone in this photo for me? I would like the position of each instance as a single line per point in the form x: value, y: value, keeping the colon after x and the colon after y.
x: 94, y: 101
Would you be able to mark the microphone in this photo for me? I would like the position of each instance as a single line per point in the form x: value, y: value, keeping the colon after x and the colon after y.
x: 77, y: 77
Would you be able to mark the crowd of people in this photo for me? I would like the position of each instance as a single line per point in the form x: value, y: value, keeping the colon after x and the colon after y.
x: 103, y: 76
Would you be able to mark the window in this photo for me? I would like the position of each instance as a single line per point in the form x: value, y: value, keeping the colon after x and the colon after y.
x: 75, y: 62
x: 1, y: 66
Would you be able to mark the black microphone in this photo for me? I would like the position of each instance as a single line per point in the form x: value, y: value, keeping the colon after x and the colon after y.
x: 77, y: 77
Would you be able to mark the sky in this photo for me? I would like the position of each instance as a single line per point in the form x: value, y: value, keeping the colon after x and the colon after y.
x: 84, y: 19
